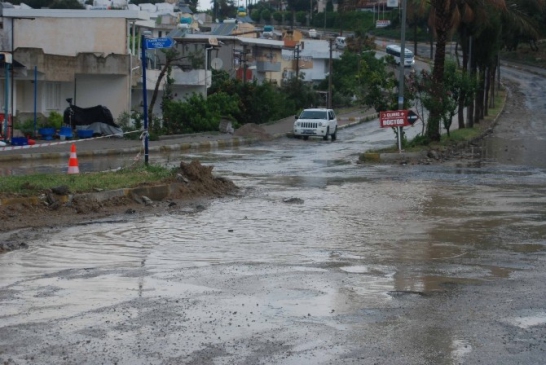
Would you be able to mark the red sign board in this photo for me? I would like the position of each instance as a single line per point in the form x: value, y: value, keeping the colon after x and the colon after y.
x: 393, y: 118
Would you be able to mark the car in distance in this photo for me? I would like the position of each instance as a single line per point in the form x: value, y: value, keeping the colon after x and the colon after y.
x: 319, y: 122
x: 396, y: 51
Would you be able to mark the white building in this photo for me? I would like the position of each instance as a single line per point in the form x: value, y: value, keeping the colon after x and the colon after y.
x: 79, y: 54
x: 314, y: 60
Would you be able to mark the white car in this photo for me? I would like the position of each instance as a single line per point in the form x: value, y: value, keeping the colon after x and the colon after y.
x: 318, y: 122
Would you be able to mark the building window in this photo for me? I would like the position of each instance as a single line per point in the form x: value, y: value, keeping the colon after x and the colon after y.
x: 53, y: 95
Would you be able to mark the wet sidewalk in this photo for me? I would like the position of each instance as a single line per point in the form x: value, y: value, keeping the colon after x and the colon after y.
x: 111, y: 146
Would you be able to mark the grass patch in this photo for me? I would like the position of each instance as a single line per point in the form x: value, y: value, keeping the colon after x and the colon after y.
x: 30, y: 185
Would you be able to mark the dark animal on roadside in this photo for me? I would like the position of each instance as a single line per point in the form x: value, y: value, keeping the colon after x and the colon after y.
x: 98, y: 118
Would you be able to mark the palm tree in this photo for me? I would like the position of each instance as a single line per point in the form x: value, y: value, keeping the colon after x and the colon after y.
x: 521, y: 21
x: 416, y: 14
x: 446, y: 16
x: 442, y: 18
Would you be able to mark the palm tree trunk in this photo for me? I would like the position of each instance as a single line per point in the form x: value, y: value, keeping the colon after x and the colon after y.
x: 462, y: 97
x: 415, y: 38
x: 493, y: 87
x: 443, y: 11
x: 473, y: 68
x: 431, y: 44
x: 487, y: 90
x: 478, y: 110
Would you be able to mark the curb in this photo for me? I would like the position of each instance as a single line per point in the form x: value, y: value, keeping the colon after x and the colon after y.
x: 205, y: 145
x: 187, y: 146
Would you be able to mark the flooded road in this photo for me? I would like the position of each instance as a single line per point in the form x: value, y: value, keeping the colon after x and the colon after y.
x: 319, y: 261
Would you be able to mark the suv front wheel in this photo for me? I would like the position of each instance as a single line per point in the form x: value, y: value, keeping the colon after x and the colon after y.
x: 325, y: 137
x: 334, y: 135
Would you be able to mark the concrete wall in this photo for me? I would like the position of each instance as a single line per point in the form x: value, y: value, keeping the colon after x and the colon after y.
x: 91, y: 91
x: 64, y: 68
x: 70, y: 36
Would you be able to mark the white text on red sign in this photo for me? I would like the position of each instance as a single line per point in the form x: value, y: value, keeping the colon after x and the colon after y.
x: 393, y: 118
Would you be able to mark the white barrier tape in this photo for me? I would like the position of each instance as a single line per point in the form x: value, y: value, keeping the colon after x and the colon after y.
x: 47, y: 144
x: 143, y: 138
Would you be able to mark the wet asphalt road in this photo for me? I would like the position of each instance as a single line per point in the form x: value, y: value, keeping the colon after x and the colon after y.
x: 319, y: 261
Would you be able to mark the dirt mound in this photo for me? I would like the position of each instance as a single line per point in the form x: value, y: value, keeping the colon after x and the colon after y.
x: 252, y: 130
x: 200, y: 181
x: 194, y: 182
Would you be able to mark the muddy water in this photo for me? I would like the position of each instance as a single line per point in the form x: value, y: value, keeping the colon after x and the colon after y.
x: 366, y: 257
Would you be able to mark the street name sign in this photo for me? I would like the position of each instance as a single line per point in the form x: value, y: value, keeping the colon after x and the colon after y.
x: 393, y: 118
x: 154, y: 43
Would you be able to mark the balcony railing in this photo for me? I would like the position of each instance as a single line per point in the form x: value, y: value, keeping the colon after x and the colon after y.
x: 266, y: 66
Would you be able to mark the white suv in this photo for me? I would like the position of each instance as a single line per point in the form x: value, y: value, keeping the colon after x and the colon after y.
x: 316, y: 122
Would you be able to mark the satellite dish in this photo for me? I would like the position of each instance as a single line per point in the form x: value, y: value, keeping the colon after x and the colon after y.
x: 216, y: 63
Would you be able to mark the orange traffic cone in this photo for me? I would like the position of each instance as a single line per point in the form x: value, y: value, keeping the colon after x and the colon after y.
x: 73, y: 161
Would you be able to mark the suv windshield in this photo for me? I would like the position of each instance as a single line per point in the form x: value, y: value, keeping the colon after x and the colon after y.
x: 313, y: 114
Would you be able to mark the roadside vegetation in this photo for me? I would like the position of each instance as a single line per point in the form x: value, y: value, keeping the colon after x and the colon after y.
x: 456, y: 137
x: 462, y: 88
x: 463, y: 85
x: 32, y: 185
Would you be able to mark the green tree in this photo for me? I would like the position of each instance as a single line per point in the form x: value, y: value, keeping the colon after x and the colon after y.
x: 377, y: 84
x: 172, y: 56
x: 298, y: 95
x: 255, y: 15
x: 257, y: 103
x: 266, y: 15
x: 301, y: 17
x: 523, y: 20
x: 443, y: 19
x: 277, y: 16
x: 197, y: 114
x: 445, y: 16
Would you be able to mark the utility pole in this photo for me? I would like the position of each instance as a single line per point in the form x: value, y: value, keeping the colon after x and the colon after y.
x: 244, y: 64
x: 401, y: 76
x: 297, y: 58
x: 310, y: 12
x: 329, y: 102
x: 402, y: 58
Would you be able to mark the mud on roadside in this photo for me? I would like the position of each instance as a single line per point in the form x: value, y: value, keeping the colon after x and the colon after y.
x: 195, y: 186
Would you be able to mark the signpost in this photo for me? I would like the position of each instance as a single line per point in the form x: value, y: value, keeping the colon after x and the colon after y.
x: 149, y: 43
x: 397, y: 119
x: 393, y: 118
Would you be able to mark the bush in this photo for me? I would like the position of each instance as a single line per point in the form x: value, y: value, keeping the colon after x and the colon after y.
x: 130, y: 123
x: 26, y: 127
x: 197, y: 114
x: 55, y: 120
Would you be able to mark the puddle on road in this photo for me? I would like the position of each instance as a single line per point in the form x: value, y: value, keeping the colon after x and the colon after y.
x: 517, y: 152
x: 351, y: 254
x: 459, y: 349
x: 529, y: 320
